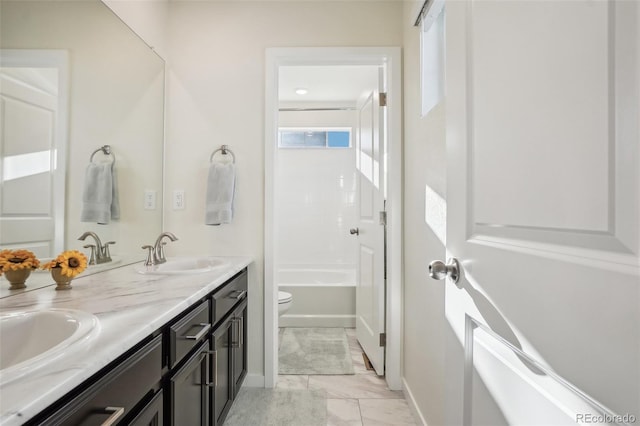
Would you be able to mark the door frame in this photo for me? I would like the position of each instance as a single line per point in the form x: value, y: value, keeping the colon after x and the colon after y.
x: 391, y: 58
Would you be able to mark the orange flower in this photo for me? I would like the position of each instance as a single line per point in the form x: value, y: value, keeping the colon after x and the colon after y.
x: 71, y: 263
x: 14, y: 260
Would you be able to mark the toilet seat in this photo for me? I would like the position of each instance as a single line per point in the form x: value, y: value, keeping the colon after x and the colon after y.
x: 284, y: 297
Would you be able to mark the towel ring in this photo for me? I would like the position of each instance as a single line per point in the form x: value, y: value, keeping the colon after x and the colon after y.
x: 225, y: 150
x: 106, y: 150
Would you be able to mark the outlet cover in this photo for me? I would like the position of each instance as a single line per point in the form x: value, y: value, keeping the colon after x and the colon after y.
x: 178, y: 199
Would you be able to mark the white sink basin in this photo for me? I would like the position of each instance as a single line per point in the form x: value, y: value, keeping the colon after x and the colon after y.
x: 32, y: 339
x: 184, y: 266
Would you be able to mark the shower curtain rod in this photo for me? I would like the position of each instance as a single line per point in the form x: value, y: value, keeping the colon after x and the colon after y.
x: 319, y: 109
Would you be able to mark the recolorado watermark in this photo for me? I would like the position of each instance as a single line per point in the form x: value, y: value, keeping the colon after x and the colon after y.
x: 605, y: 418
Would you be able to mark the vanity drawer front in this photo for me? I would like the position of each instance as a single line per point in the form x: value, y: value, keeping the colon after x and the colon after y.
x: 115, y: 394
x: 187, y: 333
x: 228, y: 296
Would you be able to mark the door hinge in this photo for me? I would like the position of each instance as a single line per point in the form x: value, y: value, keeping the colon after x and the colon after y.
x: 383, y: 339
x: 383, y: 218
x: 383, y: 99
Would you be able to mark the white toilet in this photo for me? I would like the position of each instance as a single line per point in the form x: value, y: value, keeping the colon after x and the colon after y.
x: 284, y: 302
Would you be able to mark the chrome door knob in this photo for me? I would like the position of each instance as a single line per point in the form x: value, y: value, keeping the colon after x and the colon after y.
x: 354, y: 231
x: 438, y: 270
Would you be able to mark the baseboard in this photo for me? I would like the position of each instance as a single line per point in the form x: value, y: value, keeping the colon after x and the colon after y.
x: 253, y: 381
x: 347, y: 321
x: 413, y: 406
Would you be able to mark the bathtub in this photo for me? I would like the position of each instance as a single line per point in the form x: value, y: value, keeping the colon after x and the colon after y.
x: 322, y: 296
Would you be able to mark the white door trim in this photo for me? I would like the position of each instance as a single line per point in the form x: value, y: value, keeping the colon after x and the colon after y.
x: 391, y: 57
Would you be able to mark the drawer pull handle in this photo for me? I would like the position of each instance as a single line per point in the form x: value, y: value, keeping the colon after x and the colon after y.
x: 240, y: 341
x: 214, y: 384
x: 239, y: 294
x: 205, y: 328
x: 117, y: 412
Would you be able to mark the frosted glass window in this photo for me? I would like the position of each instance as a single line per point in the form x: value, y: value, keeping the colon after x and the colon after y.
x: 314, y: 138
x: 432, y: 43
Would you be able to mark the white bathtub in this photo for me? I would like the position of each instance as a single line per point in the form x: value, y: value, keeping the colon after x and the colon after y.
x: 322, y: 296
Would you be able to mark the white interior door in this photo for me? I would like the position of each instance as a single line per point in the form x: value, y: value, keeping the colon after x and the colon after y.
x: 32, y: 128
x: 543, y: 111
x: 370, y: 290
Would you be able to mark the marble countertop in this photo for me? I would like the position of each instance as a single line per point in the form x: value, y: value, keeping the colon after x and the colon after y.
x: 129, y: 307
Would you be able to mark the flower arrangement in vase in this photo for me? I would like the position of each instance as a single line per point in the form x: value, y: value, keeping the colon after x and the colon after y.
x: 17, y: 265
x: 66, y: 267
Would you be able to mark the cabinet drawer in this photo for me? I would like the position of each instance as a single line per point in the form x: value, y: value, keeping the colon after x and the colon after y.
x: 114, y: 395
x: 185, y: 334
x: 225, y: 299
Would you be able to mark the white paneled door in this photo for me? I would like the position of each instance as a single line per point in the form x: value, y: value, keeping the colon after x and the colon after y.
x: 370, y: 290
x: 30, y: 198
x: 543, y: 111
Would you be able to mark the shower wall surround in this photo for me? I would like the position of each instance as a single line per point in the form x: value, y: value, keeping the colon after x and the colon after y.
x: 317, y: 193
x: 316, y: 189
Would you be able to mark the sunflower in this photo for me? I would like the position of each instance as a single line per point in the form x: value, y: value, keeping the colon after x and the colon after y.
x: 14, y: 260
x: 71, y: 263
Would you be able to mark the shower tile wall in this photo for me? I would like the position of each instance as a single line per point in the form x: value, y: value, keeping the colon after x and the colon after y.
x: 316, y: 206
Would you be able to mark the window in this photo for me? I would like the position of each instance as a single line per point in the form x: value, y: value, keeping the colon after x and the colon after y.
x: 314, y: 138
x: 432, y: 65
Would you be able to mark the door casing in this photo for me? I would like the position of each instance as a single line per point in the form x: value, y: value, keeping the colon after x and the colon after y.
x: 391, y: 57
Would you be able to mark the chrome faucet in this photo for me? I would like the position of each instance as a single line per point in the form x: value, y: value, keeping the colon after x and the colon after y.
x: 99, y: 252
x: 156, y: 252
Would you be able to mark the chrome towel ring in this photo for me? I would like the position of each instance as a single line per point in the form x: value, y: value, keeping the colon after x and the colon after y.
x: 224, y: 149
x: 106, y: 150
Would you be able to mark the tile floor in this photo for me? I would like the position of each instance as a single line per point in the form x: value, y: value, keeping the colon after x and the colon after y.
x: 362, y: 399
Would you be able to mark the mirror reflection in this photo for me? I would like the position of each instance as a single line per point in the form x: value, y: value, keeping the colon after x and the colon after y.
x: 73, y: 79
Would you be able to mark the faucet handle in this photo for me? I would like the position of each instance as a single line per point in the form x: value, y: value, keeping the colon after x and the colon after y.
x: 105, y: 250
x: 92, y: 257
x: 149, y: 261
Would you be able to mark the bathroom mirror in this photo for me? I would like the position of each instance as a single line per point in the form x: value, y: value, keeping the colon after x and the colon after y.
x: 104, y: 86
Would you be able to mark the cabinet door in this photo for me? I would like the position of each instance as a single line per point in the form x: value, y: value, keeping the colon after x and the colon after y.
x: 238, y: 346
x: 152, y: 413
x: 220, y: 379
x: 189, y: 391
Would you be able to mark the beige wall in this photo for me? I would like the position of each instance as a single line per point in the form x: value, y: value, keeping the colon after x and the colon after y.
x: 216, y: 74
x: 424, y: 164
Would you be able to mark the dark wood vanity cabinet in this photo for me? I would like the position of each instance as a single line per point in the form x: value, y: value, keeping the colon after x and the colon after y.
x: 185, y: 374
x: 189, y: 403
x: 210, y: 380
x: 222, y: 397
x: 239, y: 347
x: 116, y: 395
x: 229, y: 360
x: 151, y: 414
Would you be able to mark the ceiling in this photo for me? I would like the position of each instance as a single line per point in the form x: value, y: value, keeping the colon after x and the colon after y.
x: 326, y: 83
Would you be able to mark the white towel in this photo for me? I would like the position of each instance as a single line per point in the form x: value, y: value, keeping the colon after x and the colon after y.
x: 220, y: 193
x: 100, y: 202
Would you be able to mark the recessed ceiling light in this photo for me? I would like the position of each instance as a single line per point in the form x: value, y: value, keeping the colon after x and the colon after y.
x: 301, y: 91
